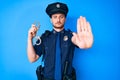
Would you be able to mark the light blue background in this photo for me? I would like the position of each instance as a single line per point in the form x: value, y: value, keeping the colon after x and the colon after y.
x: 101, y: 62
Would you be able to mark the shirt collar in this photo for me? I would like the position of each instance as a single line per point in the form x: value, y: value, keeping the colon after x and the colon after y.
x: 54, y: 32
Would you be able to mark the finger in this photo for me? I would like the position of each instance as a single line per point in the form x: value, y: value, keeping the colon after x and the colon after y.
x: 78, y: 26
x: 81, y: 23
x: 84, y: 24
x: 33, y: 33
x: 74, y: 34
x: 74, y: 37
x: 33, y: 25
x: 38, y: 27
x: 33, y: 30
x: 88, y: 27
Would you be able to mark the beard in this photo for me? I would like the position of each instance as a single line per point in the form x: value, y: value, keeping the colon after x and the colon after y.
x: 58, y: 27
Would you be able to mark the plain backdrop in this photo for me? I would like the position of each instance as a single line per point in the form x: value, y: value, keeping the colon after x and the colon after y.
x: 101, y: 62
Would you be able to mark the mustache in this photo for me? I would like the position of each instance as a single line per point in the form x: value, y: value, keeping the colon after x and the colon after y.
x: 58, y: 27
x: 58, y: 22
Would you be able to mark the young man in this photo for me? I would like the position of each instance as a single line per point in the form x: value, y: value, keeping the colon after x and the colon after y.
x: 57, y: 46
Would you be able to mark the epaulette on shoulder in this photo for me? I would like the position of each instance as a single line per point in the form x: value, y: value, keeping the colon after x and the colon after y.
x: 46, y: 34
x: 69, y: 30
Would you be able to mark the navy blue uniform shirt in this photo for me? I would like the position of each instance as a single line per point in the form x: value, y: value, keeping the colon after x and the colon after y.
x: 47, y: 48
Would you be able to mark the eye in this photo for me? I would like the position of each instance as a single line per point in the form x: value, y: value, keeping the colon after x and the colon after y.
x: 61, y: 17
x: 54, y: 17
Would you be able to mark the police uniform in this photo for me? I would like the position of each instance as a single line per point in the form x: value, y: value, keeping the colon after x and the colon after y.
x: 48, y: 43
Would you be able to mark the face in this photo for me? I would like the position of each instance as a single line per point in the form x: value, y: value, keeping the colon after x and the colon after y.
x: 58, y: 20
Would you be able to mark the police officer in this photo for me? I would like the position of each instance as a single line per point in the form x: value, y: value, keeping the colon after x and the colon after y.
x: 57, y: 46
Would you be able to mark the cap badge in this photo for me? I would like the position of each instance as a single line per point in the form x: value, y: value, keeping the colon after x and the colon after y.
x: 65, y: 38
x: 58, y: 5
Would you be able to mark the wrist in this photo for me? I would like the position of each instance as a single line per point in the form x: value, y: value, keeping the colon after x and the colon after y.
x: 30, y: 38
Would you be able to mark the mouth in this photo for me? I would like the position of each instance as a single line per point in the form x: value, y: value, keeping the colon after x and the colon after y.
x: 58, y: 23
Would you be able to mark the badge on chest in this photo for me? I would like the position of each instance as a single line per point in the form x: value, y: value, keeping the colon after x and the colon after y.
x: 65, y: 38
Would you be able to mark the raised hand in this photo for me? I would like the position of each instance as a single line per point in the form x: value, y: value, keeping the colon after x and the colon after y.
x: 84, y: 37
x: 32, y: 31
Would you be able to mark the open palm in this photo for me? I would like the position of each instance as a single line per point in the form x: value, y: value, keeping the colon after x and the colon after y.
x: 84, y: 37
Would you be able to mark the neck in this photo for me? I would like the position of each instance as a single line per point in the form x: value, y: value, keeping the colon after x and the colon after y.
x: 58, y: 30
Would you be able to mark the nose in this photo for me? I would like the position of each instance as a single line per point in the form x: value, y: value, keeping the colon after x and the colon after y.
x: 58, y: 19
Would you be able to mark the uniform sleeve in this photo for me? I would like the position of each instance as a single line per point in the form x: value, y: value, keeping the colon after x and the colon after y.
x: 38, y: 47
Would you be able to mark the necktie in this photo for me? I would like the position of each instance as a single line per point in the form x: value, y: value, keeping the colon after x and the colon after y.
x: 58, y: 59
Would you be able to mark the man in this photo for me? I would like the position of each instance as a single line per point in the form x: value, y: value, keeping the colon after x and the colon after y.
x: 57, y: 46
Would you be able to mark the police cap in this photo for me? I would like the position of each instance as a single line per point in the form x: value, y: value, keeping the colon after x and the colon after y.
x: 57, y: 7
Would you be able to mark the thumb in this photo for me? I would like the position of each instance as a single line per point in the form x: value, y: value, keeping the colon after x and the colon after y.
x: 74, y: 34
